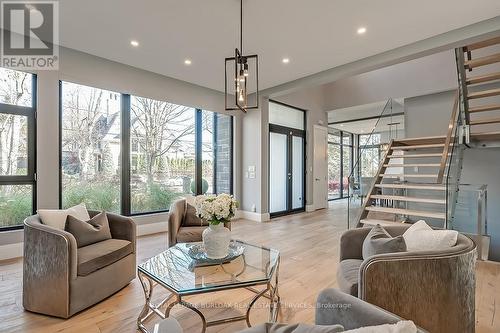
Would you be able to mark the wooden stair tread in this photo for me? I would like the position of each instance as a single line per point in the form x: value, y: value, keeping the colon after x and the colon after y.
x: 484, y: 108
x: 435, y: 187
x: 483, y: 61
x: 411, y: 212
x: 421, y: 140
x: 483, y: 78
x: 415, y: 156
x: 484, y: 93
x: 485, y: 121
x: 482, y: 44
x: 485, y: 136
x: 412, y: 165
x: 434, y: 145
x: 383, y: 223
x: 411, y: 199
x: 417, y: 175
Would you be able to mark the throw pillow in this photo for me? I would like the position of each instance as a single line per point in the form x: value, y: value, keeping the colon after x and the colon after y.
x: 191, y: 219
x: 404, y: 326
x: 294, y: 328
x: 421, y: 237
x: 89, y: 232
x: 56, y: 218
x: 378, y: 241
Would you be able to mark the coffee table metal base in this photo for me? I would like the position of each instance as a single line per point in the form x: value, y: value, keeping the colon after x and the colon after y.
x: 270, y: 292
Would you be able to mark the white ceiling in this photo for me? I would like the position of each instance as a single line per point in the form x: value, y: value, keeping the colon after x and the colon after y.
x: 315, y: 35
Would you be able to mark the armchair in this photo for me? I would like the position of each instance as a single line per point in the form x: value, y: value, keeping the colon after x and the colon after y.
x: 60, y: 279
x: 178, y: 230
x: 435, y: 289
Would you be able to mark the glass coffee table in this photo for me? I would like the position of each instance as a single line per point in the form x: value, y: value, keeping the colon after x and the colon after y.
x: 255, y: 270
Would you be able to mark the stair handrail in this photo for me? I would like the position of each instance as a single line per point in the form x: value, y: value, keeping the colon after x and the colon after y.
x: 464, y: 118
x: 451, y: 132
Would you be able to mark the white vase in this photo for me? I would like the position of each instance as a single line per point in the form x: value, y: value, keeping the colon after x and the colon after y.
x: 216, y: 240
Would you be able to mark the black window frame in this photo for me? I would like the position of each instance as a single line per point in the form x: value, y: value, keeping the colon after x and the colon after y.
x: 125, y: 152
x: 359, y: 149
x: 290, y: 133
x: 341, y: 145
x: 30, y: 112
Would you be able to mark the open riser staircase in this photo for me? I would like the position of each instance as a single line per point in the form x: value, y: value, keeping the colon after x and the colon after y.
x: 409, y: 183
x: 479, y: 78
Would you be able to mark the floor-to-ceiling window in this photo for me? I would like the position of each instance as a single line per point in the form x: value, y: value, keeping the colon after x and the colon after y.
x: 169, y: 151
x: 90, y: 147
x: 17, y: 147
x: 369, y: 154
x: 340, y: 161
x: 286, y: 159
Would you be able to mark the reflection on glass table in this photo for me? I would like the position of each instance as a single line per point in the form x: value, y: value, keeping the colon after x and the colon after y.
x: 177, y: 272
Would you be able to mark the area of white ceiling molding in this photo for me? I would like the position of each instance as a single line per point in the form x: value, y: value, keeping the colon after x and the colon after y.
x: 315, y: 37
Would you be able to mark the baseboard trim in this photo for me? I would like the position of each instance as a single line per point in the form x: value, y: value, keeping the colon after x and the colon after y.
x: 10, y: 251
x: 253, y: 216
x: 310, y: 208
x: 151, y: 228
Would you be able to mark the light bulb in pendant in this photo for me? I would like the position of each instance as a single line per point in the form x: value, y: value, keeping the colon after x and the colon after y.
x: 245, y: 70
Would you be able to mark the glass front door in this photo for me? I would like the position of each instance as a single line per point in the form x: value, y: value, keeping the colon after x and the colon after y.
x: 286, y: 170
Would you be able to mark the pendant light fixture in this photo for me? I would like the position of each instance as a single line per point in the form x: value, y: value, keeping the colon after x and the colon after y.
x: 244, y: 83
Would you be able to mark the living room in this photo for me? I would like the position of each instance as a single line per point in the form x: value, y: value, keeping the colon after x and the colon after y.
x: 248, y: 166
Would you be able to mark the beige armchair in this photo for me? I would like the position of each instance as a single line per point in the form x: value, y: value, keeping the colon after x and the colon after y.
x: 435, y: 289
x: 179, y: 231
x: 60, y: 279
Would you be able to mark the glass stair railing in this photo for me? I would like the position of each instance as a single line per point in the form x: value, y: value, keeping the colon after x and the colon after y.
x: 370, y: 154
x: 469, y: 216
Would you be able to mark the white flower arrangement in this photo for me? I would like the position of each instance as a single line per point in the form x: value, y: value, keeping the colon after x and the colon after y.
x: 216, y: 208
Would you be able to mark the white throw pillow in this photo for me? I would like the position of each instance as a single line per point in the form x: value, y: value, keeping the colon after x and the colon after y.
x: 421, y: 237
x: 405, y: 326
x: 56, y: 218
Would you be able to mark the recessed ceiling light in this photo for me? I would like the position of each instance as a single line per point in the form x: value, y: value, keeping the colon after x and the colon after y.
x: 134, y: 43
x: 341, y: 125
x: 187, y: 62
x: 285, y: 60
x: 361, y: 30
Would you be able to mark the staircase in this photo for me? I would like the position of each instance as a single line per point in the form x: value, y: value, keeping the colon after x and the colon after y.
x: 410, y: 183
x: 479, y: 74
x: 415, y: 190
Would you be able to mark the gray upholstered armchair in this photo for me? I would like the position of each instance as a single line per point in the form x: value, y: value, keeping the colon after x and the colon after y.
x: 435, y: 289
x: 183, y: 224
x: 60, y: 279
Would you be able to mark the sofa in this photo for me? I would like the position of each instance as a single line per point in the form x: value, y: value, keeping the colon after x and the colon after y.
x: 60, y: 279
x: 183, y: 224
x: 435, y: 289
x: 333, y: 307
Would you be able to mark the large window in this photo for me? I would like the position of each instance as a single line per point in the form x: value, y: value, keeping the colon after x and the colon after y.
x: 17, y: 147
x: 340, y: 160
x: 369, y: 154
x: 169, y: 151
x: 90, y: 147
x: 162, y: 153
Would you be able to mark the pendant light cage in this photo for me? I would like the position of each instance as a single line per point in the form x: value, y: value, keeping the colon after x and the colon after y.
x: 241, y: 77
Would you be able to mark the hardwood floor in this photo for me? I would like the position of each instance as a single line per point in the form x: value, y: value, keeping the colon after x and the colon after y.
x: 309, y: 252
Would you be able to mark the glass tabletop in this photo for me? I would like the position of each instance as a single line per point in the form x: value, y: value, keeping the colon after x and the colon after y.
x: 177, y: 271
